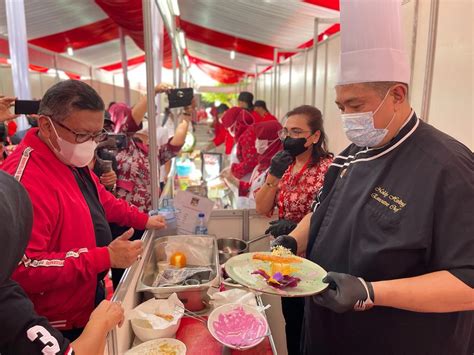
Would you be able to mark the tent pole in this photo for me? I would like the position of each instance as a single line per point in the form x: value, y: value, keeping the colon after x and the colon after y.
x: 123, y: 54
x: 150, y: 88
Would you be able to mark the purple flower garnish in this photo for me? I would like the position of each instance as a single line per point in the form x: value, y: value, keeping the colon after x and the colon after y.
x: 278, y: 280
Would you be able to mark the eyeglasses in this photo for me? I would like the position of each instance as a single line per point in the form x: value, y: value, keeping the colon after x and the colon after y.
x: 84, y: 137
x: 292, y: 133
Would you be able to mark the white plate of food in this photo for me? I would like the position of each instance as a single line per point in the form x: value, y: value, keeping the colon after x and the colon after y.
x: 164, y: 346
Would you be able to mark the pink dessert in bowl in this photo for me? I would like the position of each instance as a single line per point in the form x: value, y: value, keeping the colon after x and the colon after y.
x: 238, y: 326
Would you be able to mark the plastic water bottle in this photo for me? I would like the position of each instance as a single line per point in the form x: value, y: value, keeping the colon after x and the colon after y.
x: 201, y: 227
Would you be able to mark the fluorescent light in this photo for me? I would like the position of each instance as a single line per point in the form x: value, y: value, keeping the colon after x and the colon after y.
x: 70, y: 51
x: 232, y: 55
x: 182, y: 39
x: 186, y: 61
x: 175, y: 7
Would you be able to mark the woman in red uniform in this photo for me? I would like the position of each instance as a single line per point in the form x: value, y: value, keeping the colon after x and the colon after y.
x: 296, y: 175
x: 267, y: 145
x: 239, y: 124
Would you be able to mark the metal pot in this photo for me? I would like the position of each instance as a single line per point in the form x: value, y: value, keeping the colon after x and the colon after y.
x: 229, y: 247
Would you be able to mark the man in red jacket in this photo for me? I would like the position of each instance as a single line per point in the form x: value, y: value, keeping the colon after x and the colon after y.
x: 71, y: 247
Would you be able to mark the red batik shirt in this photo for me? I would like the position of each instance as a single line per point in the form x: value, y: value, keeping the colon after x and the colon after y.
x: 297, y: 191
x: 134, y: 175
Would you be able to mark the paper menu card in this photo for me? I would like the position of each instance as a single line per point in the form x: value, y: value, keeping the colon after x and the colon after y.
x: 189, y: 206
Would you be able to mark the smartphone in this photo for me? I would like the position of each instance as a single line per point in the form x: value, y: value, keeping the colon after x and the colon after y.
x: 26, y: 107
x: 180, y: 97
x: 121, y: 140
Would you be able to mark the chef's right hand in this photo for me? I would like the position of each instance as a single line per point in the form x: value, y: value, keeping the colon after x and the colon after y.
x: 109, y: 314
x: 124, y: 252
x: 280, y: 162
x: 286, y: 241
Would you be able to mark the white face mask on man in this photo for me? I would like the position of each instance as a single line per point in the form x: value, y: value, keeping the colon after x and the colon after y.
x: 360, y: 128
x: 78, y: 155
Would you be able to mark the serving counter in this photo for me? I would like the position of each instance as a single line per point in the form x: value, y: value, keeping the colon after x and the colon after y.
x: 240, y: 224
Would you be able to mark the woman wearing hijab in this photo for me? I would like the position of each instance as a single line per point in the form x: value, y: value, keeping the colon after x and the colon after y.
x: 239, y: 124
x: 22, y: 331
x: 267, y: 144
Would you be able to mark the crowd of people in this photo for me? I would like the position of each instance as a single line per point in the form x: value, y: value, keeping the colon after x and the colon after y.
x: 389, y: 217
x: 75, y: 182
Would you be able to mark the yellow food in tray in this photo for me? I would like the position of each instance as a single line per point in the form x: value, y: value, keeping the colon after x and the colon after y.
x: 178, y: 260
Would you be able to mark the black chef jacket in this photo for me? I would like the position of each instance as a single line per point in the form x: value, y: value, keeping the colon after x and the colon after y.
x: 402, y: 210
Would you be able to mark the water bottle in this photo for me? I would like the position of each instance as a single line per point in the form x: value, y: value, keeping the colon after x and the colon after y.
x: 201, y: 227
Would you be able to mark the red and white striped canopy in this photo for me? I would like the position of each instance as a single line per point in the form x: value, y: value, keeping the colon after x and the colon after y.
x: 213, y: 28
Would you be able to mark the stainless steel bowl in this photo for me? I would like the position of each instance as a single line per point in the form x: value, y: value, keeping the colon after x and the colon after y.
x: 229, y: 247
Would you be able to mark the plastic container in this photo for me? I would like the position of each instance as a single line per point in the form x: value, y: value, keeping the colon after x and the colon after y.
x: 184, y: 168
x: 201, y: 227
x: 169, y: 214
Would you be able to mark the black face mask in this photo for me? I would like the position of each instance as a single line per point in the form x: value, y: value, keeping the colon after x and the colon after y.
x: 294, y: 146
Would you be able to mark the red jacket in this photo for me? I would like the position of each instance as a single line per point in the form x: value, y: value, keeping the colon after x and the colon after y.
x: 61, y: 262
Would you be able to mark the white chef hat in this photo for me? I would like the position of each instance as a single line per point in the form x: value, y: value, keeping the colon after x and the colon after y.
x: 372, y: 42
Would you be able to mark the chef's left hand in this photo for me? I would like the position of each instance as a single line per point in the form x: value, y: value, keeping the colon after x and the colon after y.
x: 281, y: 227
x: 345, y: 293
x: 156, y: 222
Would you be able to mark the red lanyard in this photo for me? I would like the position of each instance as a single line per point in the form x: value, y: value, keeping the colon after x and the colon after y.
x: 288, y: 187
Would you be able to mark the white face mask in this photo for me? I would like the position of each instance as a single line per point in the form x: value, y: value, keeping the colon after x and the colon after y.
x: 78, y: 155
x: 261, y: 145
x: 360, y: 129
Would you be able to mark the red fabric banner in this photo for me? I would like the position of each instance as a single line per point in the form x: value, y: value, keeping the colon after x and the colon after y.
x: 225, y: 41
x: 217, y: 72
x: 130, y: 62
x: 81, y: 37
x: 128, y: 15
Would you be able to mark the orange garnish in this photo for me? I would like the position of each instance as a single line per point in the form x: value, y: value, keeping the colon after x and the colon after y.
x: 178, y: 260
x: 277, y: 259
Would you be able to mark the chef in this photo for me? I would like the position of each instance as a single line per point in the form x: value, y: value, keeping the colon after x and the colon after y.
x: 393, y: 224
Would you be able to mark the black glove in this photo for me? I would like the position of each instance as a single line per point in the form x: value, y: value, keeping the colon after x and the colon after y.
x: 346, y: 293
x: 280, y: 162
x: 287, y: 242
x: 280, y: 227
